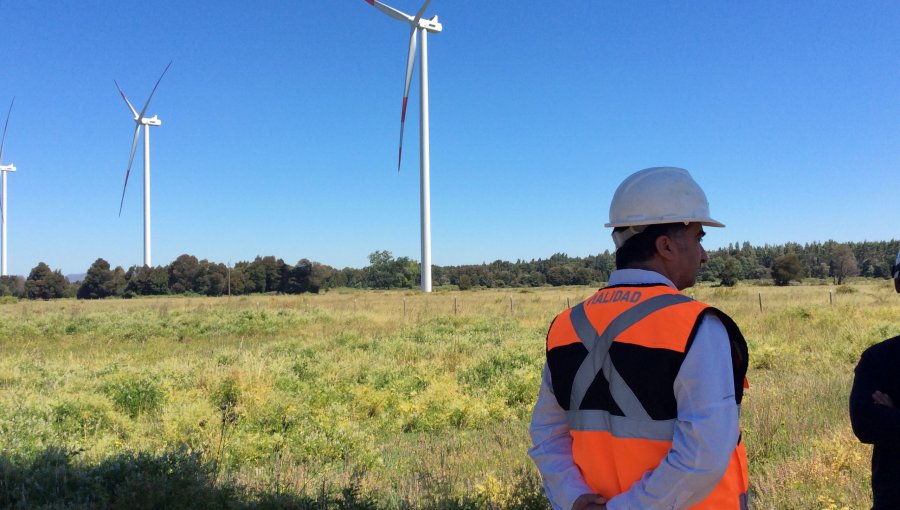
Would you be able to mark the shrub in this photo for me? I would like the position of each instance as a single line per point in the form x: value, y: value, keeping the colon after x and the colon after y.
x: 79, y: 415
x: 494, y: 369
x: 175, y: 479
x: 135, y: 395
x: 226, y: 397
x: 786, y: 268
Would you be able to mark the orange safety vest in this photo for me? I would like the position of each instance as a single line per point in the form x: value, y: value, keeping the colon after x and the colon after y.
x: 613, y: 360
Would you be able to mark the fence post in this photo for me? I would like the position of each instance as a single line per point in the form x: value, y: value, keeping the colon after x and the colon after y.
x: 760, y: 301
x: 830, y: 300
x: 404, y: 308
x: 567, y: 303
x: 510, y: 305
x: 455, y: 308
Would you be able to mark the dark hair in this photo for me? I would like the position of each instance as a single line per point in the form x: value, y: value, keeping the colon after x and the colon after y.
x: 641, y: 247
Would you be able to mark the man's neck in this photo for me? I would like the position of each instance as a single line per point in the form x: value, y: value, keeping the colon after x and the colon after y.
x: 655, y: 264
x: 648, y: 265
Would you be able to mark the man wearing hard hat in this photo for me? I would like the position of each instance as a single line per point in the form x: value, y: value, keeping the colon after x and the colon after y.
x: 641, y: 392
x: 875, y: 416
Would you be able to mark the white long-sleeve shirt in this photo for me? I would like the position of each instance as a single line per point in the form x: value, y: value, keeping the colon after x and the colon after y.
x: 706, y: 427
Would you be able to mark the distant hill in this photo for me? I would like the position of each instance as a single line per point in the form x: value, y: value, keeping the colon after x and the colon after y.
x: 77, y: 277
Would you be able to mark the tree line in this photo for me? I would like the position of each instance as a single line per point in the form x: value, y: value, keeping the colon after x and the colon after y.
x: 792, y: 261
x: 778, y: 264
x: 185, y: 275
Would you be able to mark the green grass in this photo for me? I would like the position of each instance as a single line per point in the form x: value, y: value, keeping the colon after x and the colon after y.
x: 378, y: 399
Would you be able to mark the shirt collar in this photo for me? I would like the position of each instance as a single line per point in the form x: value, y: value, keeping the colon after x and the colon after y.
x: 637, y: 276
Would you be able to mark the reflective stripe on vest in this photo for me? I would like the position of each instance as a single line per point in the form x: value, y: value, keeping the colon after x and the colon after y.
x: 598, y: 420
x: 597, y: 359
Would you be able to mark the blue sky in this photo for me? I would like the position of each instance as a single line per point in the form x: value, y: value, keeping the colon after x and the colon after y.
x: 281, y: 119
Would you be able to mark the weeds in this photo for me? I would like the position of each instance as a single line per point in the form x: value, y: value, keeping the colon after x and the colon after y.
x: 135, y: 395
x: 225, y: 398
x: 384, y: 400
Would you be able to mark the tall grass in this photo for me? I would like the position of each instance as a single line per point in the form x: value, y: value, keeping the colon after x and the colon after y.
x: 377, y: 399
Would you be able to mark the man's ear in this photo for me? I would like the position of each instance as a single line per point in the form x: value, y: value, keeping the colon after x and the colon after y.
x: 665, y: 247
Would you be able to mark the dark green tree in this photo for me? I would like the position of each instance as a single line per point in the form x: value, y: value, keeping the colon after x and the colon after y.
x: 147, y: 281
x: 319, y: 274
x: 183, y: 273
x: 729, y: 272
x: 349, y: 277
x: 217, y: 284
x: 296, y: 280
x: 558, y: 275
x: 12, y: 286
x: 386, y: 272
x: 44, y: 283
x: 274, y: 268
x: 786, y: 268
x: 237, y: 282
x: 843, y: 263
x: 116, y: 286
x: 213, y: 280
x: 379, y: 274
x: 97, y: 281
x: 256, y: 277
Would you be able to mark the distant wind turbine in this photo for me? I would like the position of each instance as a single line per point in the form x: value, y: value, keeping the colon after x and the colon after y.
x: 4, y: 170
x: 419, y: 27
x: 141, y: 120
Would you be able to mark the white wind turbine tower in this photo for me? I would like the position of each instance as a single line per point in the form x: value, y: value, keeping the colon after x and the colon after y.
x: 141, y: 120
x: 419, y: 28
x: 4, y: 170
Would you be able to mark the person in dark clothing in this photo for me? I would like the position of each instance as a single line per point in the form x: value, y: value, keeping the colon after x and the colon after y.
x: 896, y: 272
x: 876, y: 420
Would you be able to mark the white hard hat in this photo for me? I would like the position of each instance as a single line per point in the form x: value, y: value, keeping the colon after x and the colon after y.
x: 657, y: 195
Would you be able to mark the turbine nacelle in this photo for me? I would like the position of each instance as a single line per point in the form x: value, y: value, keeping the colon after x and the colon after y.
x: 417, y: 21
x: 152, y: 121
x: 431, y: 25
x: 8, y: 168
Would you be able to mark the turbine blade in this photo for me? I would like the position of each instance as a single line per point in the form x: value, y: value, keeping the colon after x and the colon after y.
x: 419, y: 14
x: 410, y: 64
x: 154, y: 90
x: 3, y: 140
x: 390, y: 11
x: 137, y: 133
x: 130, y: 107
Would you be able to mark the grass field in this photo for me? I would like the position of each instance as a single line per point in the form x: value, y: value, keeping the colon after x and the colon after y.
x: 378, y: 400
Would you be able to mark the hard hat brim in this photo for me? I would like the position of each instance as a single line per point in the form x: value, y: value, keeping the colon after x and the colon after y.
x: 709, y: 222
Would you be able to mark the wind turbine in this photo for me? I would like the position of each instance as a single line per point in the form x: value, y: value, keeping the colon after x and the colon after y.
x: 4, y: 170
x: 419, y: 28
x: 141, y: 120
